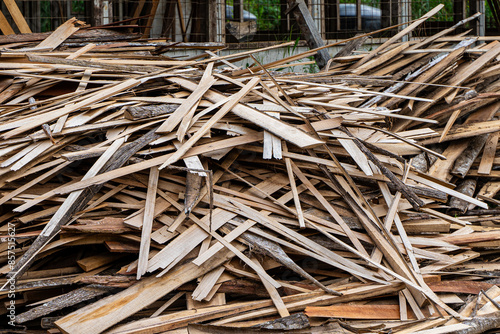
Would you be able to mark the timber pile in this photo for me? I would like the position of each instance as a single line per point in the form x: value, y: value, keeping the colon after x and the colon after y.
x: 151, y: 194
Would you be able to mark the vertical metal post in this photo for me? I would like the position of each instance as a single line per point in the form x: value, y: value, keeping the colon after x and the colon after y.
x: 102, y: 12
x: 481, y: 28
x: 358, y: 15
x: 120, y: 11
x: 404, y: 16
x: 316, y: 13
x: 68, y: 9
x: 221, y: 24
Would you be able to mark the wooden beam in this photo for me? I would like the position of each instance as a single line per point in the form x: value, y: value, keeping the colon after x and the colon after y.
x: 309, y: 31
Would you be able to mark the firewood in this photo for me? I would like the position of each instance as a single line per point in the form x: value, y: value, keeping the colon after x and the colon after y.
x: 192, y: 190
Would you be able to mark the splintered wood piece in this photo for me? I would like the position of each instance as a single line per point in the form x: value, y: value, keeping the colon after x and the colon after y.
x: 17, y: 16
x: 147, y: 224
x: 280, y: 129
x: 65, y: 300
x: 206, y: 284
x: 29, y: 123
x: 273, y: 293
x: 99, y: 316
x: 207, y: 125
x: 272, y: 144
x: 293, y: 185
x: 5, y: 26
x: 449, y: 124
x: 60, y: 34
x: 175, y: 119
x: 489, y: 153
x: 81, y: 51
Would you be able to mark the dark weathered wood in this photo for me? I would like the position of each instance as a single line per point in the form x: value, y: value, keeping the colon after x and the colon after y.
x: 275, y: 251
x: 235, y: 287
x: 65, y: 300
x: 193, y: 188
x: 110, y: 281
x: 481, y: 323
x: 466, y: 159
x: 242, y: 31
x: 424, y: 160
x: 84, y: 35
x: 309, y: 31
x: 141, y: 112
x: 351, y: 46
x: 92, y: 64
x: 295, y: 321
x: 467, y: 187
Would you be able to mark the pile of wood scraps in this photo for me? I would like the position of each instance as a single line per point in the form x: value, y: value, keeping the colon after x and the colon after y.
x: 146, y: 194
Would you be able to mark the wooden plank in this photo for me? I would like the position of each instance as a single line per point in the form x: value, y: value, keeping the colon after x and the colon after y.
x: 60, y: 34
x: 330, y: 209
x: 268, y: 123
x: 489, y: 153
x: 207, y: 125
x: 207, y: 80
x: 147, y: 224
x: 5, y: 26
x: 17, y: 16
x: 375, y: 312
x: 29, y: 123
x: 101, y: 315
x: 309, y: 31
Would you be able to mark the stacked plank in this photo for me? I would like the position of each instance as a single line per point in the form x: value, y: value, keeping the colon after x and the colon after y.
x: 144, y: 194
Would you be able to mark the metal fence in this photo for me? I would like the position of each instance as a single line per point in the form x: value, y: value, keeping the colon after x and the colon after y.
x: 240, y: 21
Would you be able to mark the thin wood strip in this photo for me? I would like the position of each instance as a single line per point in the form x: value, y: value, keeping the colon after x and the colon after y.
x: 147, y: 224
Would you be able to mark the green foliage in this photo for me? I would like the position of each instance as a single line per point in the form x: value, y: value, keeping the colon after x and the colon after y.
x: 268, y: 12
x: 290, y: 50
x: 311, y: 68
x: 46, y: 13
x: 419, y: 8
x: 77, y: 7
